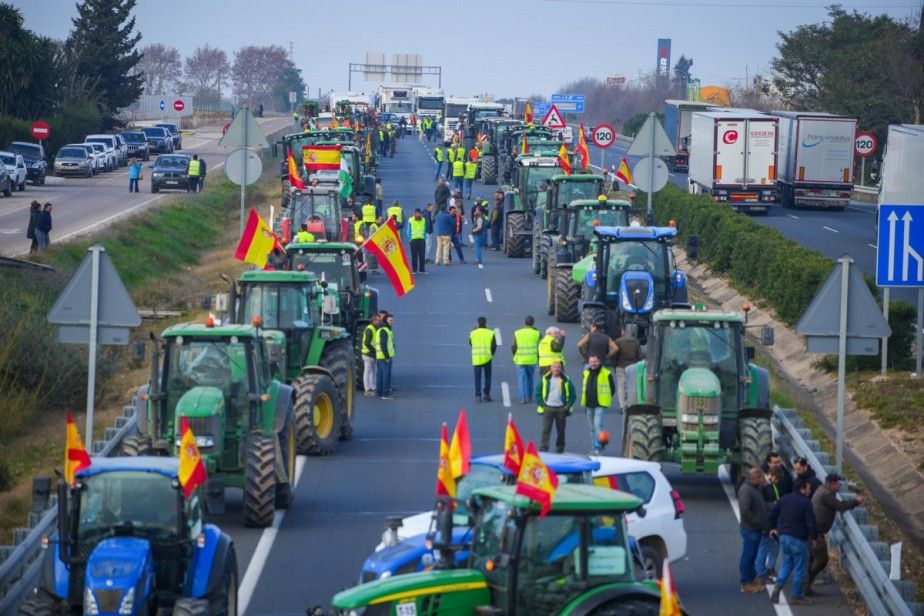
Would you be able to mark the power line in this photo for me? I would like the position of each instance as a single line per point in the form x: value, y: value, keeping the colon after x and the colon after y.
x: 732, y: 5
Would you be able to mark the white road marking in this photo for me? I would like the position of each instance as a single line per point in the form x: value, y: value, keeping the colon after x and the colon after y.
x: 781, y: 608
x: 264, y: 547
x: 792, y: 216
x: 497, y: 336
x: 487, y: 294
x: 873, y: 246
x: 505, y: 393
x: 480, y: 266
x: 9, y: 231
x: 830, y: 229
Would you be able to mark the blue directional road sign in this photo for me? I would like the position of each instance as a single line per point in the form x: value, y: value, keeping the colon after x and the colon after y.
x: 569, y: 103
x: 900, y: 254
x: 163, y: 105
x: 540, y: 109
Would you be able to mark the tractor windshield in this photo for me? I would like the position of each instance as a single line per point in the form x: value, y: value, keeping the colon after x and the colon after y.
x: 128, y: 503
x: 708, y: 345
x: 219, y: 363
x: 638, y: 256
x: 569, y: 191
x: 336, y: 267
x: 588, y: 218
x: 280, y: 306
x: 537, y: 180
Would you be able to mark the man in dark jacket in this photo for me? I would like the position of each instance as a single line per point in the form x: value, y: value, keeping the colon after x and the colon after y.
x: 825, y: 505
x: 597, y: 343
x: 43, y: 227
x: 806, y: 474
x: 629, y: 352
x: 769, y: 550
x: 792, y: 521
x: 443, y: 228
x: 430, y: 242
x: 441, y: 195
x: 34, y: 211
x: 775, y: 461
x: 497, y: 220
x: 753, y: 510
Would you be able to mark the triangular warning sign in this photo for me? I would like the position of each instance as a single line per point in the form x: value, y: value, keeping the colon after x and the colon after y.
x: 244, y: 132
x: 553, y: 118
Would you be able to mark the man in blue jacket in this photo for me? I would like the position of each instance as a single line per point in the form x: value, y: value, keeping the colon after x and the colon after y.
x: 792, y: 521
x: 443, y: 227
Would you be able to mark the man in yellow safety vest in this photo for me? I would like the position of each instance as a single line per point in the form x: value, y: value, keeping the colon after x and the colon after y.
x: 483, y: 346
x: 394, y: 210
x: 193, y: 173
x: 555, y: 396
x: 369, y: 345
x: 596, y: 396
x: 458, y: 174
x: 525, y: 356
x: 471, y: 168
x: 439, y: 156
x: 551, y: 348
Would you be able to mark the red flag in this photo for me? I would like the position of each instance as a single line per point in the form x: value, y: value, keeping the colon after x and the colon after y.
x: 581, y: 149
x: 536, y: 481
x: 461, y: 448
x: 624, y: 175
x: 295, y: 180
x: 528, y: 113
x: 386, y: 245
x: 670, y: 601
x: 524, y: 147
x: 445, y: 483
x: 513, y: 447
x: 563, y: 160
x: 75, y: 456
x: 191, y: 472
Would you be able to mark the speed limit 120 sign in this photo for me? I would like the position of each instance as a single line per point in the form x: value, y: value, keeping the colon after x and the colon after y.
x: 604, y: 136
x: 865, y: 144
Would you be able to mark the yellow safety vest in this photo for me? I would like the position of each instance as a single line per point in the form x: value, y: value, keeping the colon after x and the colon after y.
x: 372, y: 348
x: 547, y: 355
x: 527, y: 346
x: 418, y: 228
x: 438, y: 154
x: 368, y: 213
x: 451, y: 153
x: 566, y: 393
x: 371, y: 228
x: 304, y: 237
x: 604, y: 393
x: 194, y: 168
x: 470, y: 170
x: 397, y: 212
x: 389, y: 344
x: 458, y: 169
x: 480, y: 339
x: 460, y: 153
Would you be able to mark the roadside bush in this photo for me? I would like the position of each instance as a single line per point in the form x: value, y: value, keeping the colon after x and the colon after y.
x: 72, y: 124
x: 13, y: 129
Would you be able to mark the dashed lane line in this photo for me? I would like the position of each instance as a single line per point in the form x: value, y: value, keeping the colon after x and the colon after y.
x: 793, y: 216
x: 497, y: 336
x: 505, y: 393
x: 830, y: 229
x: 487, y: 294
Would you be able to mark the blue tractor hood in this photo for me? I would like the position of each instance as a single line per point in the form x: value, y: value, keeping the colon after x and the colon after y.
x: 117, y: 565
x: 636, y: 292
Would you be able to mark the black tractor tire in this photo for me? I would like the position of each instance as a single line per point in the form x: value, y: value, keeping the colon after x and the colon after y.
x: 537, y: 266
x: 544, y: 256
x: 489, y: 170
x: 643, y: 440
x: 515, y: 242
x: 41, y: 603
x: 136, y: 445
x: 317, y: 417
x: 339, y: 360
x: 652, y: 562
x: 589, y: 316
x: 225, y: 596
x: 550, y: 293
x: 629, y: 606
x: 567, y: 296
x: 285, y: 490
x: 191, y: 607
x: 41, y: 180
x: 8, y: 188
x: 259, y: 481
x: 756, y: 441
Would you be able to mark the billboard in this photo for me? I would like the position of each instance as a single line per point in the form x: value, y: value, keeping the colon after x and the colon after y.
x: 664, y: 58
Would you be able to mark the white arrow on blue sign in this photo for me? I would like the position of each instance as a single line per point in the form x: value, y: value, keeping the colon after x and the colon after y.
x: 567, y: 98
x: 900, y: 253
x: 163, y: 105
x: 540, y: 109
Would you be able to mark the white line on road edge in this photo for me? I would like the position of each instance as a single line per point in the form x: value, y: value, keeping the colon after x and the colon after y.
x: 497, y: 336
x: 781, y: 608
x: 263, y: 549
x: 505, y: 393
x: 487, y: 294
x: 791, y: 216
x: 873, y: 246
x: 830, y: 229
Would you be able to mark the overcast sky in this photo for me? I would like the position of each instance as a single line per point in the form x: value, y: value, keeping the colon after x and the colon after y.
x: 505, y: 47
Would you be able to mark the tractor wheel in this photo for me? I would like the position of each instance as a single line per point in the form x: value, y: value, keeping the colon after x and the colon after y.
x: 136, y: 446
x: 40, y: 603
x: 489, y: 170
x: 259, y: 482
x: 339, y: 360
x: 515, y: 242
x: 756, y: 442
x: 550, y: 291
x: 190, y: 607
x: 544, y: 257
x: 285, y: 490
x: 635, y: 605
x: 643, y: 440
x: 225, y: 596
x: 567, y: 296
x: 317, y: 418
x: 537, y: 266
x: 589, y: 316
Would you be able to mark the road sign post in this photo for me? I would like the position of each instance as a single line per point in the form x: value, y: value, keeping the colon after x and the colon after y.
x: 864, y: 146
x: 40, y: 130
x: 244, y: 132
x: 651, y: 142
x: 603, y: 136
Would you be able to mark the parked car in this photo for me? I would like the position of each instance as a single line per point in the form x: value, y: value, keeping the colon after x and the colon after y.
x: 34, y: 156
x: 74, y: 160
x: 113, y: 148
x: 110, y: 158
x: 96, y: 157
x: 6, y: 182
x: 137, y: 145
x: 169, y: 172
x: 16, y: 168
x: 175, y: 133
x: 123, y: 149
x: 160, y: 138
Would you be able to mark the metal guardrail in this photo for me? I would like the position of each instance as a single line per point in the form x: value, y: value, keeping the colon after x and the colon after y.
x: 863, y: 556
x: 19, y: 571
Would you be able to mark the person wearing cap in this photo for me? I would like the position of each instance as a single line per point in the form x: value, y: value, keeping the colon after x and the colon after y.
x: 554, y: 397
x: 551, y: 348
x: 825, y: 505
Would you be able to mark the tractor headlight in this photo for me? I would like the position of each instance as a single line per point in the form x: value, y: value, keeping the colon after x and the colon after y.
x: 128, y: 603
x: 202, y: 440
x: 157, y: 174
x: 649, y: 303
x: 626, y: 304
x: 89, y: 603
x: 385, y: 575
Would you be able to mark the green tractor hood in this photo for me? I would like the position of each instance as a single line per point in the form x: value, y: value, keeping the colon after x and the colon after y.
x: 580, y: 269
x: 699, y: 383
x: 201, y: 402
x: 460, y: 590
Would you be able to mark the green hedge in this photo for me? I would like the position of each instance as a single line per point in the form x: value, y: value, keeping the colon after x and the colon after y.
x: 71, y: 125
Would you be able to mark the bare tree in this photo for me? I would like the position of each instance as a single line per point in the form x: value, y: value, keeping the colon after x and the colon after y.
x: 207, y: 71
x: 256, y: 72
x: 161, y: 67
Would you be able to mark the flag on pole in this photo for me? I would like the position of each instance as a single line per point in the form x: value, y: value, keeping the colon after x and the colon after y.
x: 191, y: 472
x: 295, y: 180
x: 257, y: 242
x: 624, y: 175
x: 581, y: 148
x: 322, y: 157
x: 75, y: 456
x: 670, y: 601
x: 461, y: 448
x: 524, y: 147
x: 386, y: 245
x: 513, y: 447
x: 445, y: 482
x: 528, y: 113
x: 536, y: 481
x: 346, y: 180
x: 563, y: 160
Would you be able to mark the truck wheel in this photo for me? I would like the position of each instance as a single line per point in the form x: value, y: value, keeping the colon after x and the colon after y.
x: 40, y: 603
x: 515, y: 242
x: 259, y: 482
x: 136, y: 446
x: 643, y: 440
x: 589, y: 316
x: 285, y: 490
x: 567, y: 295
x: 550, y: 290
x: 225, y: 596
x: 339, y: 361
x: 317, y: 420
x: 190, y: 607
x: 652, y: 562
x: 489, y: 170
x: 756, y: 442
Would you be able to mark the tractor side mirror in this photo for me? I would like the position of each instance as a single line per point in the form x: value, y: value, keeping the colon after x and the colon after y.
x: 749, y: 352
x: 41, y: 494
x: 275, y: 149
x: 767, y: 335
x: 693, y: 247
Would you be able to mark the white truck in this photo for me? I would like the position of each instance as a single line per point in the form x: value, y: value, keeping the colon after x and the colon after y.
x: 456, y: 107
x: 431, y: 103
x: 677, y: 116
x: 903, y: 158
x: 398, y: 100
x: 733, y: 158
x: 816, y: 159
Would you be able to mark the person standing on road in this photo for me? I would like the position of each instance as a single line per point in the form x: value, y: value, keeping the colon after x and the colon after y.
x: 458, y: 172
x: 555, y: 396
x: 34, y: 210
x: 439, y: 156
x: 192, y: 174
x: 443, y: 229
x: 470, y: 170
x: 769, y: 549
x: 497, y: 219
x: 551, y: 349
x: 384, y: 354
x: 596, y: 397
x: 379, y: 197
x: 134, y: 174
x: 202, y: 172
x: 825, y: 506
x: 43, y: 227
x: 417, y: 233
x: 598, y: 343
x: 430, y: 241
x: 441, y: 194
x: 484, y: 345
x: 395, y: 211
x: 774, y: 461
x: 369, y: 349
x: 457, y: 222
x: 479, y: 233
x: 753, y: 510
x: 792, y: 521
x: 525, y: 351
x: 629, y: 352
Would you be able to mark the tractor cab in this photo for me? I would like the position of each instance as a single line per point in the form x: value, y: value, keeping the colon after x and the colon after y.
x: 577, y: 221
x: 319, y: 208
x: 560, y: 190
x: 531, y: 176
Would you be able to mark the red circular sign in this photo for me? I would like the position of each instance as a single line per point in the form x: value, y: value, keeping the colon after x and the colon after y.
x: 179, y: 105
x: 865, y: 144
x: 730, y: 136
x: 603, y: 136
x: 41, y: 130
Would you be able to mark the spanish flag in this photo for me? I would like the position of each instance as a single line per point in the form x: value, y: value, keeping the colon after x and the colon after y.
x: 257, y: 242
x: 536, y: 481
x: 513, y: 447
x: 528, y: 113
x: 624, y: 175
x: 386, y: 245
x: 295, y: 180
x: 460, y: 450
x: 322, y: 157
x: 524, y: 147
x: 191, y: 472
x: 563, y: 160
x: 75, y: 456
x: 445, y: 482
x: 670, y: 601
x: 581, y: 149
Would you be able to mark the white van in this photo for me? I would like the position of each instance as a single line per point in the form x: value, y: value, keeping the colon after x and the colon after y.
x: 119, y: 151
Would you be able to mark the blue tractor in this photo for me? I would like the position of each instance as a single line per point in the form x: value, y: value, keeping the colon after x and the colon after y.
x: 129, y: 543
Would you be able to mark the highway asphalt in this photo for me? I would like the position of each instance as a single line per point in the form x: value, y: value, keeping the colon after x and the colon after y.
x: 85, y: 204
x: 317, y: 547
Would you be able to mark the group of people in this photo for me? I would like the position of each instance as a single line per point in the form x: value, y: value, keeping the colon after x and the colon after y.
x: 39, y: 227
x: 461, y: 165
x: 554, y: 394
x: 780, y: 514
x: 378, y: 351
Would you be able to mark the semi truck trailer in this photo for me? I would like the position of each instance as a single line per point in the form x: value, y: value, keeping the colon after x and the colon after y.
x: 677, y: 116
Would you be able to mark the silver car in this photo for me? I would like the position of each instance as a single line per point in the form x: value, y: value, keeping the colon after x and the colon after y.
x: 96, y: 158
x: 74, y: 160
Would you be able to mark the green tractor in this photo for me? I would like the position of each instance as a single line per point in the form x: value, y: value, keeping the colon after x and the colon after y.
x: 363, y: 183
x: 570, y: 240
x: 530, y: 173
x: 320, y: 207
x: 219, y: 377
x: 698, y: 399
x: 495, y: 158
x: 560, y: 190
x: 318, y: 362
x: 576, y: 560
